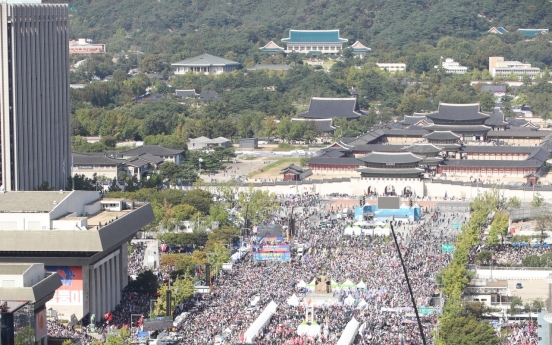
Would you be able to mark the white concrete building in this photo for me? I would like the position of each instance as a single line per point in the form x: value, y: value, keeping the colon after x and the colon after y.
x: 452, y: 67
x: 392, y: 67
x: 501, y: 68
x: 34, y: 95
x: 80, y: 236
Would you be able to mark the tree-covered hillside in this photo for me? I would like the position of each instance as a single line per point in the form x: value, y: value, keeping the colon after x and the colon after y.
x: 185, y: 27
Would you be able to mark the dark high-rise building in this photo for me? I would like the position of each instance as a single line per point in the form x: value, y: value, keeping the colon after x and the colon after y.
x: 34, y: 95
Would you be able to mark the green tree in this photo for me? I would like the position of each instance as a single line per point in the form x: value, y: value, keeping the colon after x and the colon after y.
x: 515, y: 305
x: 121, y: 337
x: 485, y: 257
x: 260, y: 205
x: 499, y: 228
x: 514, y: 203
x: 200, y: 199
x: 25, y: 336
x: 466, y: 330
x: 181, y: 290
x: 543, y: 223
x: 538, y: 200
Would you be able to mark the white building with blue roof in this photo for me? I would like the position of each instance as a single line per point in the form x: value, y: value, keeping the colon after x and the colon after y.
x: 314, y: 41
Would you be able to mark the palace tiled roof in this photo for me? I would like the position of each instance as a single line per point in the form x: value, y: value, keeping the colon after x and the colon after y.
x: 388, y: 171
x: 314, y: 36
x: 496, y: 118
x: 328, y: 108
x: 497, y: 149
x: 458, y: 128
x: 480, y: 163
x: 334, y: 161
x: 497, y: 30
x: 533, y: 32
x: 423, y: 148
x: 413, y: 119
x: 93, y: 159
x: 155, y: 150
x: 271, y: 47
x: 359, y: 47
x: 517, y: 134
x: 377, y: 148
x: 323, y: 125
x: 442, y: 135
x: 405, y: 132
x: 204, y: 60
x: 458, y: 112
x: 540, y: 155
x: 389, y: 157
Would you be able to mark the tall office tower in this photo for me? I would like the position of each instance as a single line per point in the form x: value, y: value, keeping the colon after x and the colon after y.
x: 34, y: 95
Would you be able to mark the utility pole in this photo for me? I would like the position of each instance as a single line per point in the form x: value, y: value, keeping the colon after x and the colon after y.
x: 420, y: 327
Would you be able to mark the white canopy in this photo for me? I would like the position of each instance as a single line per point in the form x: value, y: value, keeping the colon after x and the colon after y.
x: 349, y: 333
x: 302, y: 284
x: 350, y: 300
x: 348, y: 284
x: 361, y: 223
x: 293, y: 300
x: 311, y: 331
x: 260, y: 323
x: 357, y: 231
x: 348, y: 231
x: 361, y: 285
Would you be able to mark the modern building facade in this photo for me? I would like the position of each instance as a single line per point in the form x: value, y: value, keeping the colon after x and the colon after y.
x: 501, y: 68
x: 24, y: 291
x: 392, y: 67
x: 85, y: 46
x: 453, y: 67
x: 34, y: 94
x: 78, y: 235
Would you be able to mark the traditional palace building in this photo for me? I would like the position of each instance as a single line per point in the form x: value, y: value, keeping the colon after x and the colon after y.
x: 314, y: 41
x: 456, y: 140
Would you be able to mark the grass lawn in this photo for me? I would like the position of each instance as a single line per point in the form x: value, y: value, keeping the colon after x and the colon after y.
x: 273, y: 169
x: 328, y: 64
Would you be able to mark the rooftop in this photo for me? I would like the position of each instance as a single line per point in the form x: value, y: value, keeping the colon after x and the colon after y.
x: 458, y: 112
x: 359, y: 47
x: 271, y: 46
x: 93, y: 159
x: 314, y: 36
x: 155, y: 150
x: 14, y: 268
x: 328, y: 108
x: 206, y: 60
x: 442, y: 135
x: 30, y: 202
x: 391, y: 157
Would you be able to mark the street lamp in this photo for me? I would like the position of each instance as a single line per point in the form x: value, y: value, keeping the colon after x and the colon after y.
x: 199, y: 161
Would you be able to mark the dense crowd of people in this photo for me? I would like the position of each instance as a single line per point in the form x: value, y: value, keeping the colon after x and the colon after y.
x: 521, y: 333
x: 507, y: 254
x: 382, y: 305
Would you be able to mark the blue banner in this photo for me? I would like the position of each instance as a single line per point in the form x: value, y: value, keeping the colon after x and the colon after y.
x: 272, y: 256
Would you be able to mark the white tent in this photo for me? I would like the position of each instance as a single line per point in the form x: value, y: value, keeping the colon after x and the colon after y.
x: 362, y: 304
x: 293, y: 300
x: 311, y: 331
x: 302, y: 284
x: 260, y: 323
x: 350, y: 300
x: 348, y: 231
x: 361, y: 285
x: 357, y: 231
x: 404, y: 205
x: 349, y: 333
x: 361, y: 223
x: 348, y: 284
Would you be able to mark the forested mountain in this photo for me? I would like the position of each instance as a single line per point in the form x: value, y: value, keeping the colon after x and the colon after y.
x: 181, y: 28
